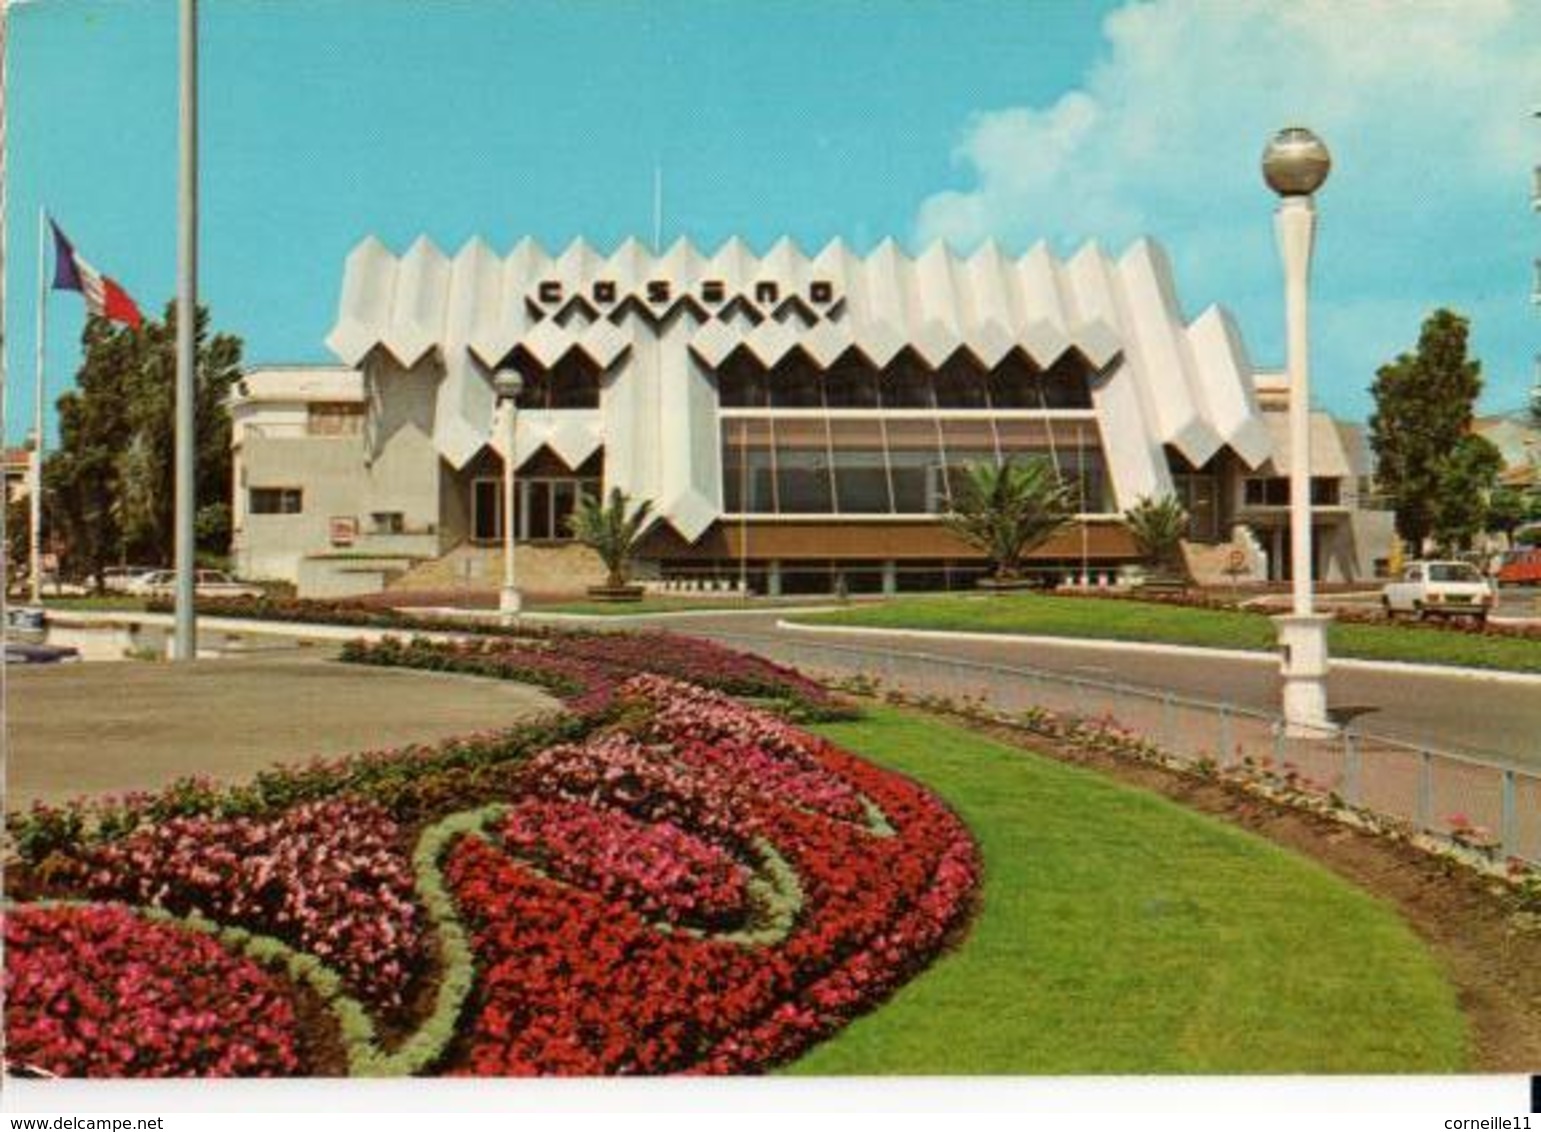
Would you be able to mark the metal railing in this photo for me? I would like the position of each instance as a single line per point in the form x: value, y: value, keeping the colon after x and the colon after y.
x: 1477, y: 801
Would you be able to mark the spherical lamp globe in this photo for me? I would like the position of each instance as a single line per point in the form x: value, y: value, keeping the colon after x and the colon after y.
x: 1296, y: 162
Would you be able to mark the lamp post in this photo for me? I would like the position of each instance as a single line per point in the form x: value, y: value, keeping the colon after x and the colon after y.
x: 1295, y: 165
x: 507, y: 383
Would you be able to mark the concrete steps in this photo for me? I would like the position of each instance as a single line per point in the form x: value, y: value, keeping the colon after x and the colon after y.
x: 549, y: 570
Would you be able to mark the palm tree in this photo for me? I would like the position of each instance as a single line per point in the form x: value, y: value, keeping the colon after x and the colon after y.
x: 1158, y: 527
x: 1008, y: 509
x: 612, y: 530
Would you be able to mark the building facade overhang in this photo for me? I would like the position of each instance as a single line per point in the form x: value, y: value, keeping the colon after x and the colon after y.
x: 657, y: 326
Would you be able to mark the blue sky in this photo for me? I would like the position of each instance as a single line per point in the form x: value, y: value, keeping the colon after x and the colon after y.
x: 326, y: 120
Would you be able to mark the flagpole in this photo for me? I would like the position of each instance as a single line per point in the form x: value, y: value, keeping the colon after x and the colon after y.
x: 186, y: 640
x: 5, y: 433
x: 36, y: 558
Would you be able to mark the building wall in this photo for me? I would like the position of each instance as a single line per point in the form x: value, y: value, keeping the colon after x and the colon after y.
x: 428, y: 330
x: 331, y: 473
x: 403, y: 462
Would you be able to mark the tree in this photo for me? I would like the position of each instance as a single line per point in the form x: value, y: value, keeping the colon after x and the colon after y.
x: 1157, y: 527
x: 18, y: 517
x: 1423, y: 407
x: 1008, y: 509
x: 1464, y: 485
x: 110, y: 484
x: 1506, y: 511
x: 612, y: 530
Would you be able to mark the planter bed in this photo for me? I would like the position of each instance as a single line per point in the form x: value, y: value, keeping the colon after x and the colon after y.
x: 668, y: 882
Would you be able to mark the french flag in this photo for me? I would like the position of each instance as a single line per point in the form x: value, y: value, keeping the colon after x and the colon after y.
x: 104, y: 297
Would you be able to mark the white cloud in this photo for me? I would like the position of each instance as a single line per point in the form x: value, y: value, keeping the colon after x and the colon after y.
x: 1415, y: 98
x: 1425, y: 104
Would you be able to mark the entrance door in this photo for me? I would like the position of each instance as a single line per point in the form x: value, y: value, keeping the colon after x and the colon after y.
x: 486, y: 510
x: 1199, y: 495
x: 1281, y: 565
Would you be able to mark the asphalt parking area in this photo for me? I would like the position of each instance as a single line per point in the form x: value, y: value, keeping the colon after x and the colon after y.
x: 88, y: 728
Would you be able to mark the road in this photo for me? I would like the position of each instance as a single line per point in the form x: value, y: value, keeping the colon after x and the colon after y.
x: 1460, y: 712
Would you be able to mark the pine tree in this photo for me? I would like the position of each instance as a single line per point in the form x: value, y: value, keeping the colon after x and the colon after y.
x: 1423, y: 407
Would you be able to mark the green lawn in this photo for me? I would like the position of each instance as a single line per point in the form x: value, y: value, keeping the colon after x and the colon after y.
x: 96, y: 603
x: 1121, y: 933
x: 1051, y: 616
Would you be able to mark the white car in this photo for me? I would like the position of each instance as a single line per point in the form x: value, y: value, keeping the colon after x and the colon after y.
x: 1439, y: 589
x: 118, y: 579
x: 209, y: 583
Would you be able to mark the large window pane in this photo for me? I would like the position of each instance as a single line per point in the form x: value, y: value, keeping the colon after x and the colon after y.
x: 1020, y: 439
x: 861, y: 473
x: 748, y: 484
x: 795, y: 383
x: 851, y: 383
x: 915, y: 467
x: 803, y: 476
x: 537, y: 510
x: 966, y: 442
x: 1077, y: 453
x: 564, y: 498
x: 960, y: 384
x: 741, y: 382
x: 535, y: 393
x: 1067, y: 383
x: 907, y: 383
x: 1014, y: 383
x: 575, y: 383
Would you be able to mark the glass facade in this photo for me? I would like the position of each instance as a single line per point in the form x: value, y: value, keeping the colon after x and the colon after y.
x: 907, y: 382
x: 855, y: 440
x: 573, y: 383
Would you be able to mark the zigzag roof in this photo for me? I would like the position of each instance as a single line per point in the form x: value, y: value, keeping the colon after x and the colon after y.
x: 1193, y: 379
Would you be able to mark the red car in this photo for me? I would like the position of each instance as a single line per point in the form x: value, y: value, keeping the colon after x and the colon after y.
x: 1521, y: 568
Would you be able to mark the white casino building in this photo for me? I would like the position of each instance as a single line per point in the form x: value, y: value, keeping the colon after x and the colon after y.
x: 795, y: 419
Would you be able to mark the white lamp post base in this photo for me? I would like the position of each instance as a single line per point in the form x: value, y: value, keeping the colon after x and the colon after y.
x: 1303, y: 664
x: 510, y: 604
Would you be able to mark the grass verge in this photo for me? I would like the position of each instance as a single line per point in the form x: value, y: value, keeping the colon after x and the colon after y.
x: 96, y: 603
x: 1120, y: 933
x: 1087, y: 618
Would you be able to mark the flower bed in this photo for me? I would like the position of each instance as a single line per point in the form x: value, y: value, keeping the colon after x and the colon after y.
x: 586, y: 669
x: 752, y: 748
x: 658, y: 868
x: 328, y: 877
x: 577, y: 981
x: 685, y: 884
x: 581, y: 667
x: 97, y: 991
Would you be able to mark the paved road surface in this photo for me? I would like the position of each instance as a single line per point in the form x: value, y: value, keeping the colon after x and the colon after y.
x: 83, y: 728
x: 1454, y: 712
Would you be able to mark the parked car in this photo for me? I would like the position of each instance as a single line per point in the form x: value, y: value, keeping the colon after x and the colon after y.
x: 1439, y: 589
x: 17, y: 652
x: 28, y: 623
x: 1521, y: 567
x: 208, y: 583
x: 117, y: 579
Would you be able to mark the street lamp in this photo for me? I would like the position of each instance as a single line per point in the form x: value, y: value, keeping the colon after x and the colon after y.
x: 1295, y: 165
x: 507, y: 383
